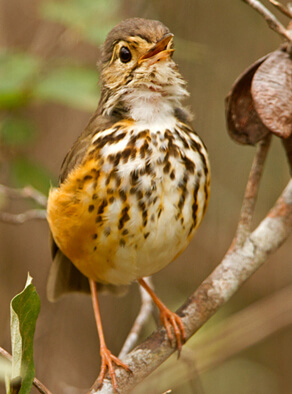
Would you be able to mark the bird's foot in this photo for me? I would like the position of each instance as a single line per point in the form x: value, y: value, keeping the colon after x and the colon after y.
x: 107, y: 363
x: 171, y: 320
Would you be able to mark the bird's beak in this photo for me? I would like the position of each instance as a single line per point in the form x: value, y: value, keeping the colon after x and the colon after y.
x: 159, y: 51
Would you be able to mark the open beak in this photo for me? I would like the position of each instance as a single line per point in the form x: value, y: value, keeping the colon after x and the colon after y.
x: 159, y: 51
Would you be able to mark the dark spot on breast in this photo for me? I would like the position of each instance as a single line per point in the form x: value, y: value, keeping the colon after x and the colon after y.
x: 125, y: 232
x: 133, y: 153
x: 139, y: 194
x: 143, y: 149
x: 87, y: 177
x: 166, y: 168
x: 146, y: 235
x: 159, y: 212
x: 119, y: 137
x: 126, y: 154
x: 109, y: 190
x: 102, y: 206
x: 90, y: 208
x: 122, y: 195
x: 148, y: 193
x: 144, y: 216
x: 141, y: 205
x: 124, y: 217
x: 94, y: 249
x: 190, y: 166
x: 111, y: 158
x: 111, y: 199
x: 94, y: 236
x: 181, y: 202
x: 98, y: 219
x: 134, y: 177
x: 172, y: 174
x: 117, y: 159
x: 148, y: 168
x: 95, y: 173
x: 122, y: 242
x: 94, y: 196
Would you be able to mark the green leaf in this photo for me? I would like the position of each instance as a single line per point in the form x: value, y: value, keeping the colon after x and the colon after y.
x: 18, y: 72
x: 17, y: 131
x: 24, y: 310
x: 91, y: 19
x: 26, y: 172
x: 72, y: 86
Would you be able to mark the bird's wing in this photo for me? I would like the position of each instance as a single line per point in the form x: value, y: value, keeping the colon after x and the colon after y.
x: 64, y: 277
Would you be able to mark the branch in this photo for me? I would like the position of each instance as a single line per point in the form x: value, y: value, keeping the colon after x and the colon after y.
x: 27, y: 192
x: 271, y: 20
x: 236, y: 267
x: 20, y: 218
x: 226, y: 339
x: 251, y: 191
x: 285, y: 10
x: 37, y: 384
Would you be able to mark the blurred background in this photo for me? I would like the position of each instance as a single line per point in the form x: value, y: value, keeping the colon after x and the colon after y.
x: 48, y: 90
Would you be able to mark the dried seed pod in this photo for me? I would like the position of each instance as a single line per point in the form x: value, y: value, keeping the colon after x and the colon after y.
x: 271, y: 90
x: 243, y: 122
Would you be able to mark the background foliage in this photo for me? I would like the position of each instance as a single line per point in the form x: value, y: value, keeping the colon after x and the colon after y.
x: 48, y: 89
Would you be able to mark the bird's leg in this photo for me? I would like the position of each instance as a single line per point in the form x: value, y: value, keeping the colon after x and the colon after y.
x: 168, y: 318
x: 107, y: 358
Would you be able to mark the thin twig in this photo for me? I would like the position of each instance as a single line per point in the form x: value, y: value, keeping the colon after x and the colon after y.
x: 26, y: 192
x: 145, y: 312
x: 285, y: 10
x: 251, y: 191
x: 20, y: 218
x: 271, y: 20
x: 37, y: 384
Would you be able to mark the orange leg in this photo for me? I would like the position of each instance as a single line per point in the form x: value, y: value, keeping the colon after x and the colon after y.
x: 107, y: 358
x: 168, y: 319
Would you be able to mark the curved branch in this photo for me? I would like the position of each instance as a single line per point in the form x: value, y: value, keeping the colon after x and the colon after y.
x: 236, y: 267
x: 37, y: 384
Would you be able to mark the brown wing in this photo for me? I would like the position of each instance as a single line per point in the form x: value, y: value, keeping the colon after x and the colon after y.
x: 64, y: 277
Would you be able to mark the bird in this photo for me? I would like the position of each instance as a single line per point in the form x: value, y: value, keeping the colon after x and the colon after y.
x: 135, y: 185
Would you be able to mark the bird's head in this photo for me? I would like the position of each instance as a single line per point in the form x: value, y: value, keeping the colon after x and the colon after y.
x: 137, y: 66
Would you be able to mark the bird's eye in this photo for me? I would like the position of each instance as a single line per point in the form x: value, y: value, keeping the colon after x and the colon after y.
x: 125, y: 55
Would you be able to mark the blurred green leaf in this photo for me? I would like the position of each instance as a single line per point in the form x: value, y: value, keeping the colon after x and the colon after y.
x: 91, y: 19
x: 17, y: 131
x: 76, y: 87
x: 17, y: 71
x: 24, y: 310
x: 26, y: 172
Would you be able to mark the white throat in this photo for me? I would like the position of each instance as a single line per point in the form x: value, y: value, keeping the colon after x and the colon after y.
x: 149, y: 106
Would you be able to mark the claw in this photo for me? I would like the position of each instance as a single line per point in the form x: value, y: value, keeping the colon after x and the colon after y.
x: 169, y: 320
x: 107, y: 361
x: 172, y: 320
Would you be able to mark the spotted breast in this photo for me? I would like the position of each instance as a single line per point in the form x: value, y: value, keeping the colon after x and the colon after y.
x: 134, y: 202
